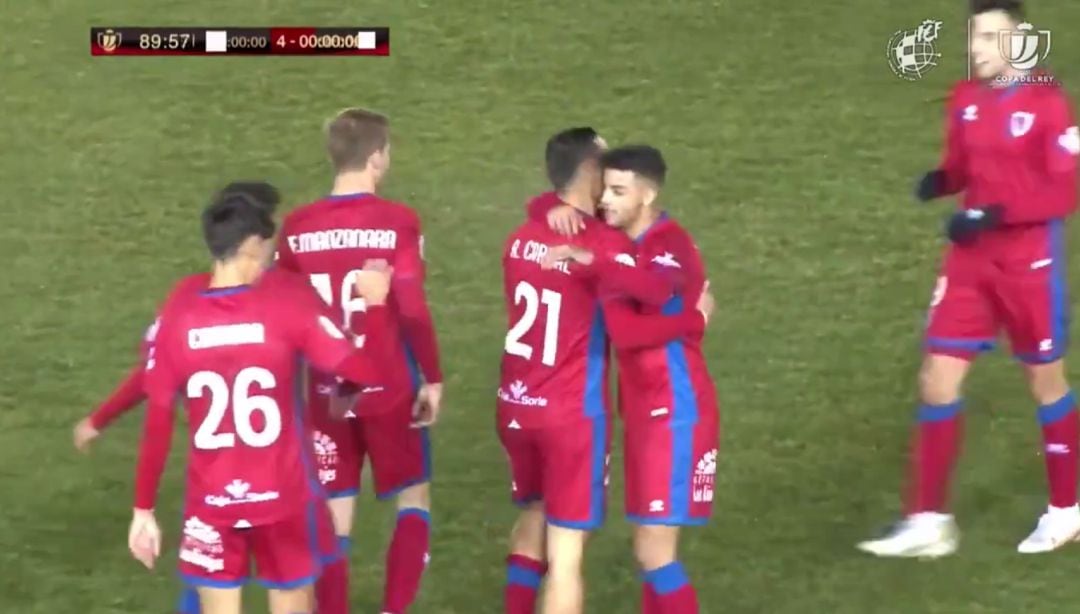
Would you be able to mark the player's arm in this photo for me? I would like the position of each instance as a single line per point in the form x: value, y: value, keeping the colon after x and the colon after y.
x: 410, y: 298
x: 628, y: 329
x: 560, y: 217
x: 1054, y: 196
x: 162, y: 387
x: 126, y: 396
x: 950, y: 177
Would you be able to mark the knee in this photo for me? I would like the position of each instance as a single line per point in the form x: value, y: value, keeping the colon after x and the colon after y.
x: 527, y: 536
x: 1048, y: 382
x: 941, y: 378
x: 655, y: 547
x: 417, y: 496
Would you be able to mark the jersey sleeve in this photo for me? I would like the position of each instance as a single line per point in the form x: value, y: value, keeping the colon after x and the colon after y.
x: 162, y: 383
x: 410, y: 298
x: 629, y: 329
x: 954, y: 156
x: 616, y: 267
x: 1054, y: 195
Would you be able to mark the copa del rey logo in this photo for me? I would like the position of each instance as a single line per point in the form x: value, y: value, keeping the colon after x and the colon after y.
x: 516, y: 393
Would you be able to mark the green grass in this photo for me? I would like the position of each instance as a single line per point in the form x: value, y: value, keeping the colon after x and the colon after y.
x: 792, y: 149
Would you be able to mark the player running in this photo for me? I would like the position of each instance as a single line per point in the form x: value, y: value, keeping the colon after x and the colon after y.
x: 667, y: 398
x: 1011, y: 148
x: 553, y: 398
x: 327, y: 241
x: 232, y: 348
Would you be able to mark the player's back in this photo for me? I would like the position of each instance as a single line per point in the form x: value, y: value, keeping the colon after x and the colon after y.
x: 554, y: 365
x: 648, y: 376
x: 328, y: 242
x: 236, y: 353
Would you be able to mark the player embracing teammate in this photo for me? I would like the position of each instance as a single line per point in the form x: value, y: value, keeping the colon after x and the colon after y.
x: 1011, y: 148
x: 565, y: 302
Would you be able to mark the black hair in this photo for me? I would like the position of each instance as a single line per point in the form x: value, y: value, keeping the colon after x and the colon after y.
x: 642, y: 160
x: 1014, y: 8
x: 231, y: 219
x: 263, y: 193
x: 566, y: 151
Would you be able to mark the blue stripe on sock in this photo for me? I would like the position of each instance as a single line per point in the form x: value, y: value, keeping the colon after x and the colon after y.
x: 515, y: 574
x: 189, y: 601
x: 1052, y: 412
x: 414, y: 511
x: 667, y: 579
x: 939, y: 413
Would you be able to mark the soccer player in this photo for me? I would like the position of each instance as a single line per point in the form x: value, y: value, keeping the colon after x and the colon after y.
x: 326, y: 241
x: 552, y: 407
x: 231, y: 348
x: 129, y: 393
x: 667, y: 398
x: 1011, y: 148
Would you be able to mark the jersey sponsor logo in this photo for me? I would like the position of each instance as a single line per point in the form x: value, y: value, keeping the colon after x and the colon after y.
x: 326, y: 457
x: 238, y: 492
x: 705, y: 477
x: 517, y: 394
x: 1020, y: 123
x: 667, y: 259
x: 534, y: 251
x: 342, y: 238
x: 227, y: 335
x: 201, y: 545
x: 1070, y: 141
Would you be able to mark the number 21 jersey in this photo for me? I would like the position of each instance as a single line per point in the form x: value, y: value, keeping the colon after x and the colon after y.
x: 555, y: 356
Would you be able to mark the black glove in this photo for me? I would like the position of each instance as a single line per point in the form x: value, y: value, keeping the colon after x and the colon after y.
x: 965, y: 226
x: 930, y: 186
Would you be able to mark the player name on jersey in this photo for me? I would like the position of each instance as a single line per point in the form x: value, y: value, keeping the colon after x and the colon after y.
x: 342, y: 238
x: 229, y: 334
x: 533, y: 251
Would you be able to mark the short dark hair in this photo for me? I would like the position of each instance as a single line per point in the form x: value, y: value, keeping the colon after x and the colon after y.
x: 566, y: 151
x: 642, y: 160
x: 353, y: 135
x: 231, y: 219
x: 263, y: 193
x: 1014, y: 8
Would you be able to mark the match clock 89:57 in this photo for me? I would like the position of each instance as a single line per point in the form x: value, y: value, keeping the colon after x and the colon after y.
x: 175, y: 41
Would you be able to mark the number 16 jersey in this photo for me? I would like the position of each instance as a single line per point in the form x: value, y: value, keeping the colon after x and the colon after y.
x: 555, y: 356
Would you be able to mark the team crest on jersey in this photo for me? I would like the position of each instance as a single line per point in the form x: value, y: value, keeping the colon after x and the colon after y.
x: 705, y: 477
x: 201, y: 545
x: 1020, y: 123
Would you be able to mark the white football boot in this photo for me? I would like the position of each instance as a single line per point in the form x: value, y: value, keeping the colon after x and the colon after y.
x: 926, y: 535
x: 1057, y: 527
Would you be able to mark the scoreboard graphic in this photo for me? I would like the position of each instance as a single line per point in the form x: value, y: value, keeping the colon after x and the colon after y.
x: 221, y: 41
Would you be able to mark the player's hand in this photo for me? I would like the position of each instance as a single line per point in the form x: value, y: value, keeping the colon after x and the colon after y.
x: 84, y: 434
x: 965, y: 226
x: 427, y: 405
x: 373, y: 282
x: 565, y: 220
x: 562, y: 253
x: 144, y: 537
x: 930, y: 186
x: 706, y: 303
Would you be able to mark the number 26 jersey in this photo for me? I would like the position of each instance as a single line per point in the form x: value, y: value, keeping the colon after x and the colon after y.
x: 555, y: 355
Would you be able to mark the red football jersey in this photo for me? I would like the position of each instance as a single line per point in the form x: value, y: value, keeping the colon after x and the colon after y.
x: 1016, y: 147
x: 673, y: 376
x: 555, y: 359
x: 233, y: 356
x: 329, y: 241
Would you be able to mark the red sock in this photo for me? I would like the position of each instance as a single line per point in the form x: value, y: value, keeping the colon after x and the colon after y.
x: 650, y: 601
x: 934, y: 451
x: 332, y: 587
x: 1061, y: 436
x: 406, y: 560
x: 672, y: 588
x: 523, y: 577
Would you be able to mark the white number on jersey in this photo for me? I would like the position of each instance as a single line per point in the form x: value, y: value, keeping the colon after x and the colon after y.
x: 244, y: 405
x: 349, y: 304
x: 553, y: 302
